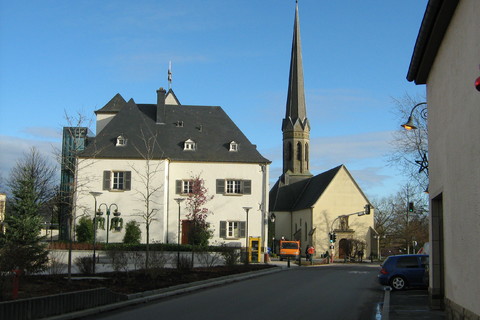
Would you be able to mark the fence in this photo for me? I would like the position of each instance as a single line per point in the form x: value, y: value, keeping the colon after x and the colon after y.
x: 47, y: 306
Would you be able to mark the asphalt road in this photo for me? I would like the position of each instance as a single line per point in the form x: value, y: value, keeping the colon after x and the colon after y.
x: 324, y: 292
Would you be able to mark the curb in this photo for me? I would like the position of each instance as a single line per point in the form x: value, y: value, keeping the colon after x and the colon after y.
x: 148, y: 296
x: 386, y: 303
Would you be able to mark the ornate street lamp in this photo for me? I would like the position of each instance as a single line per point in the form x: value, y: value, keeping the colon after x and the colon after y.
x: 410, y: 125
x: 95, y: 195
x: 179, y: 200
x: 108, y: 209
x: 247, y: 257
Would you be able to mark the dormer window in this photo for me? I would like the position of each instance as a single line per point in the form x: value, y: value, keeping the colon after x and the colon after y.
x: 189, y: 145
x: 233, y: 146
x: 121, y: 141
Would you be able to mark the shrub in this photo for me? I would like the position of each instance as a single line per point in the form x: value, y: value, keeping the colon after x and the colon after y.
x: 84, y: 264
x: 55, y: 264
x: 208, y: 259
x: 84, y: 230
x: 184, y: 263
x: 133, y: 233
x: 119, y: 259
x: 231, y: 255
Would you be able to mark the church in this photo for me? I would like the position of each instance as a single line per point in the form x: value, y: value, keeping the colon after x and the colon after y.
x: 328, y: 210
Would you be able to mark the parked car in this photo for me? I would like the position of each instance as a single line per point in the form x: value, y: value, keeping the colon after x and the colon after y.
x: 406, y: 270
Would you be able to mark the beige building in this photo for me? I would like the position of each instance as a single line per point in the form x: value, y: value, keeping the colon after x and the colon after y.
x: 308, y: 207
x: 447, y: 58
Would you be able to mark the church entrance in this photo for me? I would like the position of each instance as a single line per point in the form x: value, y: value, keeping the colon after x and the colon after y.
x: 344, y: 249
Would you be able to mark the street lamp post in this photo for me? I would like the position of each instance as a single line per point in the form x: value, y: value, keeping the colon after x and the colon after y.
x: 410, y: 123
x: 272, y: 219
x: 95, y: 195
x: 178, y: 200
x: 108, y: 209
x: 247, y: 258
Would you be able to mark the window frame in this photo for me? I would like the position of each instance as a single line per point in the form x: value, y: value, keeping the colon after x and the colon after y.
x: 110, y: 183
x: 228, y: 187
x: 233, y: 146
x: 189, y: 145
x: 232, y: 229
x: 121, y: 141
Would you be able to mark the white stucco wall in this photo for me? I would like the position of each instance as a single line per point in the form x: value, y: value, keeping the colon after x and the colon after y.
x: 454, y: 151
x: 102, y: 120
x: 224, y: 207
x: 130, y: 203
x: 164, y: 228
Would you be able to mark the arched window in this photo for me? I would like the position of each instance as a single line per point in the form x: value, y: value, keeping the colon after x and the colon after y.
x: 289, y: 151
x: 306, y: 155
x: 299, y: 151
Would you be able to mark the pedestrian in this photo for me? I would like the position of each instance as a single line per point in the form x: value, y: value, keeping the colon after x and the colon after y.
x: 360, y: 255
x: 311, y: 252
x: 307, y: 254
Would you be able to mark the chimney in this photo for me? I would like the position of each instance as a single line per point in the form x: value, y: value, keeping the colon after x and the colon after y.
x: 161, y: 106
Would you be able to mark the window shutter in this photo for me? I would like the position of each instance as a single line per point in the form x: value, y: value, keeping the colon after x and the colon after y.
x: 241, y: 231
x: 247, y: 186
x: 106, y: 180
x: 128, y: 180
x: 223, y: 229
x: 220, y: 186
x: 178, y: 186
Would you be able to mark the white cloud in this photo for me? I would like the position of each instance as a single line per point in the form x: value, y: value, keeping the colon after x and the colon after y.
x: 329, y: 151
x: 13, y: 149
x: 43, y: 132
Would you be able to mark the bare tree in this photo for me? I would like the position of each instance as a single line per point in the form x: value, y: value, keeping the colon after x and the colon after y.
x: 36, y: 168
x: 410, y: 147
x: 396, y: 225
x: 149, y: 186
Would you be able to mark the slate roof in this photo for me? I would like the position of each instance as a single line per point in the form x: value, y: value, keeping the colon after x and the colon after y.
x: 302, y: 194
x: 208, y: 126
x: 436, y: 20
x: 114, y: 105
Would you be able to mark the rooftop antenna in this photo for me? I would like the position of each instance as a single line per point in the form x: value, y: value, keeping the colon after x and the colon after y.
x: 170, y: 75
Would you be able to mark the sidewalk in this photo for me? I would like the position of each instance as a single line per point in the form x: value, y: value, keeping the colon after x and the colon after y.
x: 409, y: 304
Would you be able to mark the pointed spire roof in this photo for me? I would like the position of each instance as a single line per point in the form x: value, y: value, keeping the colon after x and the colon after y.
x: 114, y: 105
x: 296, y: 109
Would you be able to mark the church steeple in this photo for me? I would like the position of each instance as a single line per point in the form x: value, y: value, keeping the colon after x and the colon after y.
x: 295, y: 125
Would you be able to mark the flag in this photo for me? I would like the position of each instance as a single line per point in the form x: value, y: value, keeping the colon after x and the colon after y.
x: 170, y: 71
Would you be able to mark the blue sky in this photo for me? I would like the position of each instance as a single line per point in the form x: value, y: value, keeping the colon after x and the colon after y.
x: 74, y: 56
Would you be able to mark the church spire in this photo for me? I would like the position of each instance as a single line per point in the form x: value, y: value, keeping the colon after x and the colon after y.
x: 296, y: 109
x: 295, y: 125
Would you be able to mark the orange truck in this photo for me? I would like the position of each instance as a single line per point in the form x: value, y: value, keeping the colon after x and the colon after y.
x: 289, y: 249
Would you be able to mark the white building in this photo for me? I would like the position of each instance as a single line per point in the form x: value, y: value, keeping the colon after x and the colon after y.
x: 447, y: 59
x: 154, y: 151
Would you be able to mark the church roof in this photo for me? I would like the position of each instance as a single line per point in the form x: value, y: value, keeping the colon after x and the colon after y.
x: 208, y: 127
x: 302, y: 194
